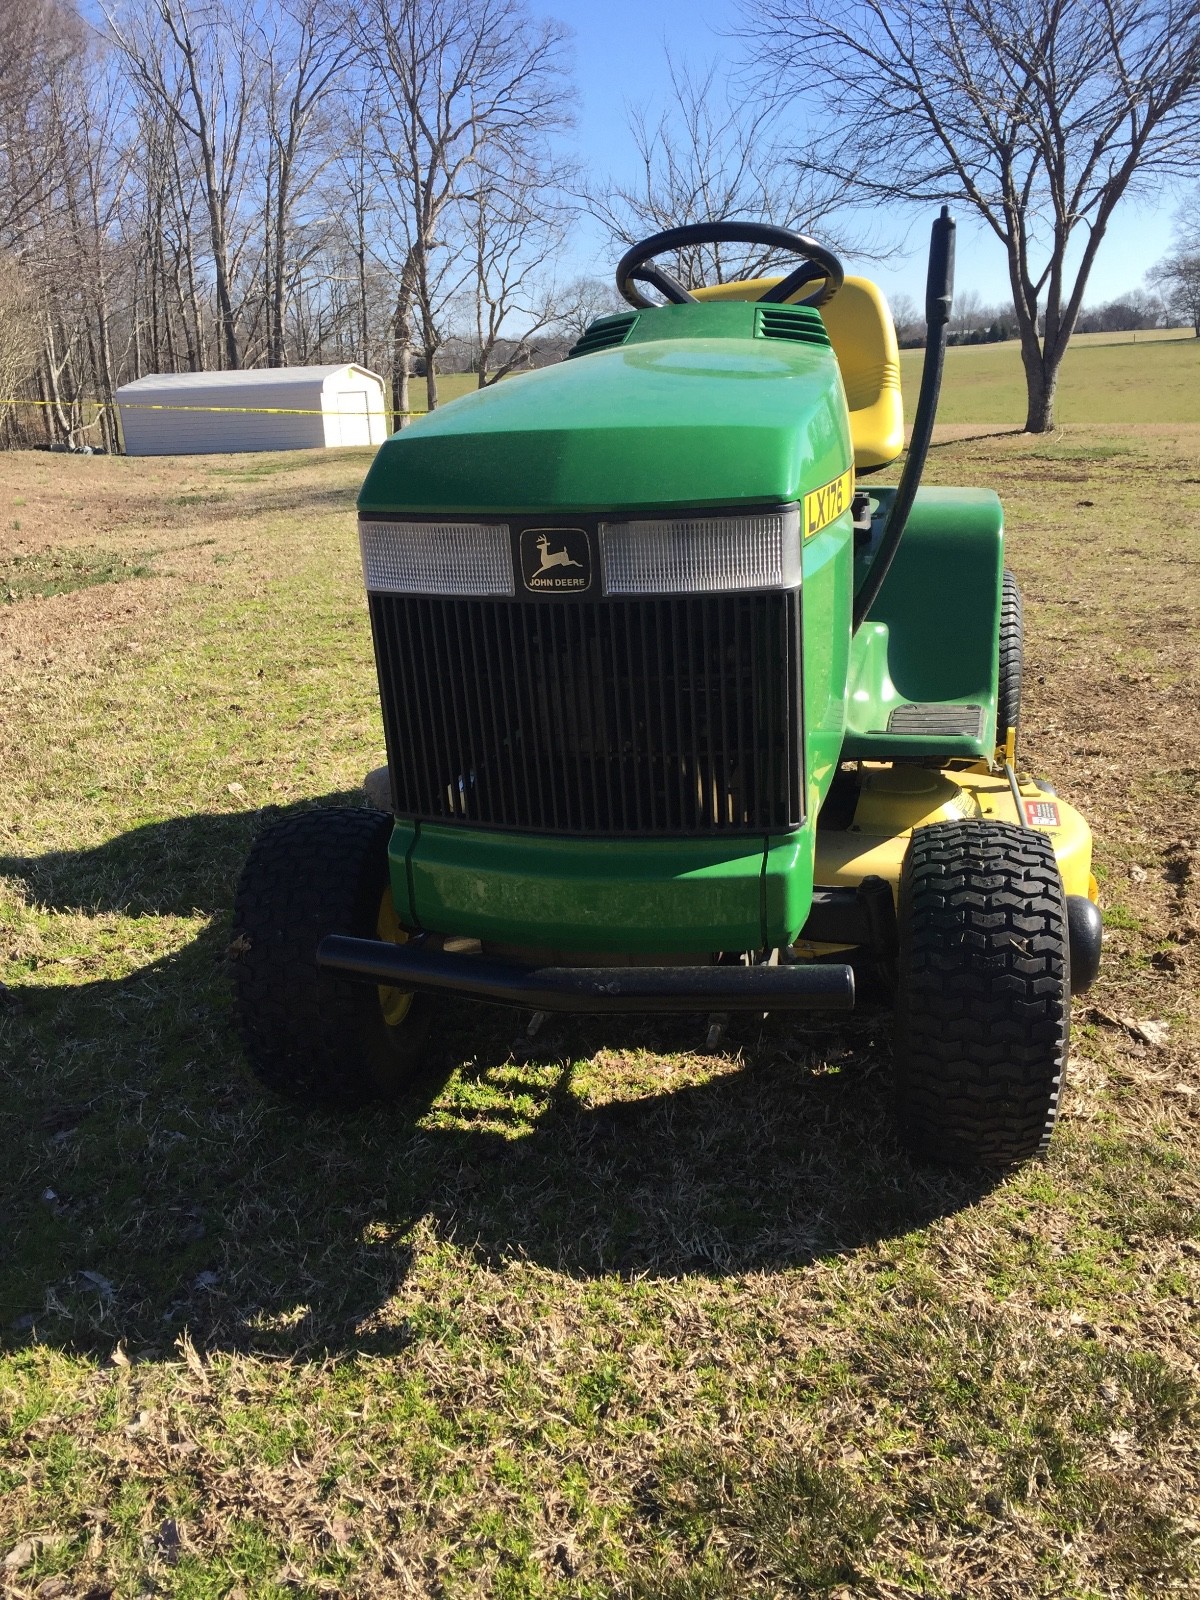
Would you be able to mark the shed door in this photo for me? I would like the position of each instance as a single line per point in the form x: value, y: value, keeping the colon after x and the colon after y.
x: 354, y: 419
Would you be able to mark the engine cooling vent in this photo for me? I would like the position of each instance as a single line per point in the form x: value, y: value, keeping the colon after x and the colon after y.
x: 606, y: 333
x: 801, y: 324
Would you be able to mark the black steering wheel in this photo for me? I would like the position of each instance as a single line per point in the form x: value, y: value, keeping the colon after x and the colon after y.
x: 635, y: 266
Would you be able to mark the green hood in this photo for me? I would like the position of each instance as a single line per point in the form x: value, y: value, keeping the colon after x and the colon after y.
x: 698, y: 405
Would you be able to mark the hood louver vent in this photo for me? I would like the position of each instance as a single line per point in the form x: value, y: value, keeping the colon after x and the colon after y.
x: 800, y: 323
x: 606, y: 333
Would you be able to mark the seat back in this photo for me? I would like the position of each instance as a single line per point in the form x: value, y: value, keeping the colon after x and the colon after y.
x: 863, y: 336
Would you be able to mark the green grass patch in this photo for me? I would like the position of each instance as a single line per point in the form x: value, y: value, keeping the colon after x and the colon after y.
x: 63, y: 570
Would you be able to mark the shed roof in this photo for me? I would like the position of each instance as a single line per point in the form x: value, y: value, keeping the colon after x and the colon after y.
x: 249, y: 377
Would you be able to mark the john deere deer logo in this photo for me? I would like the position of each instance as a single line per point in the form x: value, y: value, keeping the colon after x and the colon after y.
x: 555, y: 560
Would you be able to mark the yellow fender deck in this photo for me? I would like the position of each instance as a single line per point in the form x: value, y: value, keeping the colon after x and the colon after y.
x: 896, y: 799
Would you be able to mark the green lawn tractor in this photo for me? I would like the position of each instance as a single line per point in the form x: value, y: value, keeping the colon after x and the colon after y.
x: 686, y: 712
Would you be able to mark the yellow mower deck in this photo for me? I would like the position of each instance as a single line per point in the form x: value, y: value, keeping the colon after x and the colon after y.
x: 896, y: 799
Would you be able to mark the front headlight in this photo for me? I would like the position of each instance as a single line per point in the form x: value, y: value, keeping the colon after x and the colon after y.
x: 702, y: 554
x: 468, y: 558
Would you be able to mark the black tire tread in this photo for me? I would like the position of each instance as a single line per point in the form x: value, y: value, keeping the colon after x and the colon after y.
x: 1012, y: 654
x: 307, y: 1034
x: 983, y: 1003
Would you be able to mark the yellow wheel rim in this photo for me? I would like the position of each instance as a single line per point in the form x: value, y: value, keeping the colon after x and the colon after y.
x: 394, y: 1003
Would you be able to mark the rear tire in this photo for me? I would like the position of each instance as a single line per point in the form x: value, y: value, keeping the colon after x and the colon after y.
x: 983, y: 1001
x: 1012, y: 657
x: 316, y: 1038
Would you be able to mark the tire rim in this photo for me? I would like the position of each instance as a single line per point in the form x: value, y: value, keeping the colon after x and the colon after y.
x: 394, y: 1004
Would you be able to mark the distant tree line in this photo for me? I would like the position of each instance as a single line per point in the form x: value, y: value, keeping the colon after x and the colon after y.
x: 1174, y: 303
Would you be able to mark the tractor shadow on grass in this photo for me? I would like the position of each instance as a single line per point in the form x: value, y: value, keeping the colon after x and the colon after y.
x: 157, y: 1189
x: 177, y: 867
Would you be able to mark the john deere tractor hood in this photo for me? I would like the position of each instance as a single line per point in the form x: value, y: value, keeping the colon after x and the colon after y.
x: 681, y: 406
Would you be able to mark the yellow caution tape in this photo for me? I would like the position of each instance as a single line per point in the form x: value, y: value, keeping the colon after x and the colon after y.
x: 254, y: 411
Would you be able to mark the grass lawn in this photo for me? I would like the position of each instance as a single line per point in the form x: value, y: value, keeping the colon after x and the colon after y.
x: 1153, y: 376
x: 450, y: 386
x: 1104, y: 378
x: 604, y: 1315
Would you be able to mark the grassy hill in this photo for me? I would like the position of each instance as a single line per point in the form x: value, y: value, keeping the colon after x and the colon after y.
x: 1105, y: 378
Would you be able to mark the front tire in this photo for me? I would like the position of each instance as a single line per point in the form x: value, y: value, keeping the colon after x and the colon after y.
x: 983, y: 1001
x: 320, y: 1039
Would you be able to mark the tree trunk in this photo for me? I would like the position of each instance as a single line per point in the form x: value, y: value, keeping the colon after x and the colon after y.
x: 1041, y: 385
x: 402, y: 340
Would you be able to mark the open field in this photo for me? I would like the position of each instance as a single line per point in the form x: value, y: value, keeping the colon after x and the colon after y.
x: 450, y: 386
x: 607, y: 1316
x: 1105, y: 378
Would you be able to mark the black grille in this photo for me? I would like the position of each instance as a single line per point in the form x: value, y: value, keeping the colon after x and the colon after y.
x: 674, y: 715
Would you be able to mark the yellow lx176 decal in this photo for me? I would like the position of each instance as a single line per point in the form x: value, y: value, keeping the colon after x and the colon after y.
x: 828, y: 502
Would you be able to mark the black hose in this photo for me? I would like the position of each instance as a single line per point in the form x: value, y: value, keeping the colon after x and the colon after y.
x: 939, y: 294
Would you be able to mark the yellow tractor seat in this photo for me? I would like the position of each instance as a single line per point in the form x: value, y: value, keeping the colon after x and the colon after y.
x: 860, y: 328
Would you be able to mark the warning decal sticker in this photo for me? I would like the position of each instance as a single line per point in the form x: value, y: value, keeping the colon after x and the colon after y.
x: 1041, y: 813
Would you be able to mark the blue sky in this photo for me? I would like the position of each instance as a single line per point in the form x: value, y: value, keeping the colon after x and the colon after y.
x: 619, y: 49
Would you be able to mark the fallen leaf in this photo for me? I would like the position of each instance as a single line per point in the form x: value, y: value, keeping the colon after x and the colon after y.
x: 20, y: 1555
x: 1151, y: 1032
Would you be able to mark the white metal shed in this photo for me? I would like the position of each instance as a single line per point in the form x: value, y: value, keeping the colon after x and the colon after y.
x: 263, y: 408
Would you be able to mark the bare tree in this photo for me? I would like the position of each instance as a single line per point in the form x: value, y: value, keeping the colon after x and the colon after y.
x: 908, y: 318
x: 39, y: 41
x: 302, y: 48
x: 1180, y: 277
x: 453, y: 79
x: 18, y: 335
x: 966, y: 313
x: 710, y: 155
x: 514, y: 220
x: 1180, y: 272
x: 197, y: 68
x: 1039, y: 114
x: 354, y: 199
x: 582, y: 301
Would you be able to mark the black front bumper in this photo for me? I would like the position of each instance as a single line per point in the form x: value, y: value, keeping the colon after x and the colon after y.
x: 420, y: 965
